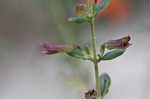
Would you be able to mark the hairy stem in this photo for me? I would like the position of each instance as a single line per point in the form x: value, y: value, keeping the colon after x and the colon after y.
x: 95, y: 58
x: 95, y: 62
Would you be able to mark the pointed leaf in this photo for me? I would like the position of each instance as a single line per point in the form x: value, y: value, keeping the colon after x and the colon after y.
x: 102, y: 5
x: 102, y: 50
x: 107, y: 3
x: 78, y: 19
x: 113, y: 54
x: 77, y: 53
x: 87, y: 50
x: 105, y: 82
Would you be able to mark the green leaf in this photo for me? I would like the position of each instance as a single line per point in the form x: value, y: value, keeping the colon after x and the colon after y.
x: 107, y: 3
x: 102, y: 50
x: 101, y: 6
x: 78, y: 19
x: 113, y: 54
x: 77, y: 53
x: 87, y: 50
x: 105, y: 82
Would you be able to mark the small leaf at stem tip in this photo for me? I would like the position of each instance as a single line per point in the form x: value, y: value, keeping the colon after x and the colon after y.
x: 113, y: 54
x: 105, y: 82
x: 106, y: 3
x: 78, y: 19
x: 102, y: 5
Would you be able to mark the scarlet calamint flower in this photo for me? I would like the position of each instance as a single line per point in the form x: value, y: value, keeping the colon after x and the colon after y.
x: 57, y: 48
x: 120, y: 43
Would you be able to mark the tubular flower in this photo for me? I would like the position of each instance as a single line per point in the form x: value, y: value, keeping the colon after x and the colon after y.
x: 91, y: 94
x: 122, y: 43
x: 57, y: 48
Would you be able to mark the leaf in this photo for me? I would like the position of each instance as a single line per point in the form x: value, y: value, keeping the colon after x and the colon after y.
x: 113, y: 54
x: 105, y: 82
x: 102, y: 6
x: 78, y: 19
x: 77, y: 53
x: 87, y: 50
x: 102, y: 50
x: 107, y: 3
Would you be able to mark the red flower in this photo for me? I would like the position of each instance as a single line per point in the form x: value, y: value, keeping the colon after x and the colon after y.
x: 120, y: 43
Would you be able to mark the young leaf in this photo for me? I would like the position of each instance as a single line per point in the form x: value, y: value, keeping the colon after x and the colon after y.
x: 87, y: 50
x: 101, y: 6
x: 102, y: 50
x: 78, y: 19
x: 105, y: 82
x: 106, y: 3
x: 113, y: 54
x: 77, y: 53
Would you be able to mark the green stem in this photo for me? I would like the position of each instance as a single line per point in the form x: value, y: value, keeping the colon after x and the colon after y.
x: 91, y: 21
x: 95, y: 58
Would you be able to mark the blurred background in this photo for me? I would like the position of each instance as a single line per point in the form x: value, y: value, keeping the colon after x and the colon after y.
x: 25, y: 74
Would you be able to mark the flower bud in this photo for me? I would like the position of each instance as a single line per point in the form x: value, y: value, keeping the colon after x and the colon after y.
x: 81, y: 9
